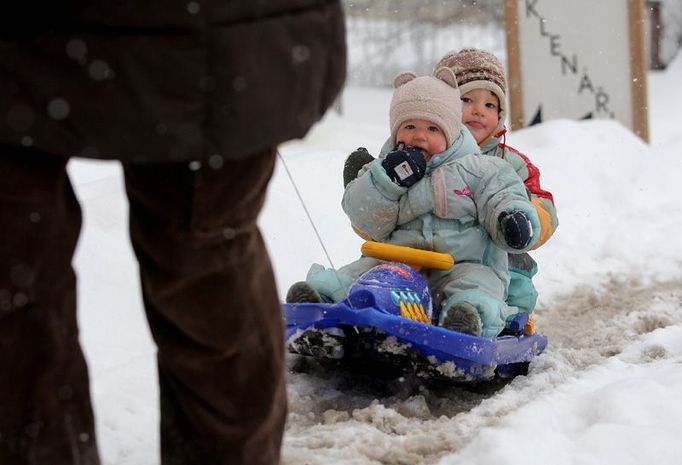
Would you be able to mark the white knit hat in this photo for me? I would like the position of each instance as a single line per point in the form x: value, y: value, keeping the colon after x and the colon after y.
x: 431, y: 98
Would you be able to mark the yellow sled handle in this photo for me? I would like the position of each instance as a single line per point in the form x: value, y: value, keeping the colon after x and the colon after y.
x: 416, y: 258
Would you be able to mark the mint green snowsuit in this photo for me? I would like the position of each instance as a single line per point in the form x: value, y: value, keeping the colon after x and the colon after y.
x: 454, y: 209
x: 522, y: 267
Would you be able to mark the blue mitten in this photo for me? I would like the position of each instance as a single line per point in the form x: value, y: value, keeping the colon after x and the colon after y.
x: 517, y: 229
x: 405, y: 165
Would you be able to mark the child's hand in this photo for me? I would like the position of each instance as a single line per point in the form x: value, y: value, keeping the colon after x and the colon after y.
x: 517, y: 229
x: 354, y: 163
x: 405, y: 165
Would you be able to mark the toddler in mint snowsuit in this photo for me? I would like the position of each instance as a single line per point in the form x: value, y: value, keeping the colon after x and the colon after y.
x: 478, y: 73
x: 482, y: 84
x: 455, y: 201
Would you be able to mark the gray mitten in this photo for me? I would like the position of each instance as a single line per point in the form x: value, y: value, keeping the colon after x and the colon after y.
x: 354, y: 163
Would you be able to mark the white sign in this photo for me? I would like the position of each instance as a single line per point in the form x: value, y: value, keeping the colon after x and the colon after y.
x: 577, y: 59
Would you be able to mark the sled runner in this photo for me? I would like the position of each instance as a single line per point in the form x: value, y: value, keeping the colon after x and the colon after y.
x: 387, y: 318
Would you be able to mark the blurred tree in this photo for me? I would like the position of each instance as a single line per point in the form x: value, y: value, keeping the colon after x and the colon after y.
x: 386, y: 37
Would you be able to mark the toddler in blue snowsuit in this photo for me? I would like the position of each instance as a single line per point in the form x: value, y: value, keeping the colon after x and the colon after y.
x: 482, y: 85
x: 432, y: 189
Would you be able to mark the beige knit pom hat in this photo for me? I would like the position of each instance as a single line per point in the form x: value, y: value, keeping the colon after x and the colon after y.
x: 432, y: 98
x: 478, y: 69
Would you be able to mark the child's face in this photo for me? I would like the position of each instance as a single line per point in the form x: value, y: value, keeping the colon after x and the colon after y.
x: 422, y: 134
x: 480, y: 113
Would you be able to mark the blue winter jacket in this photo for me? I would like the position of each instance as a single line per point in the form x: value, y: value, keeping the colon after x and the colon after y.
x: 454, y: 209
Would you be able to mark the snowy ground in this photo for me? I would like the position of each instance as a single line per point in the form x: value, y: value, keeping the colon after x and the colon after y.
x: 606, y: 391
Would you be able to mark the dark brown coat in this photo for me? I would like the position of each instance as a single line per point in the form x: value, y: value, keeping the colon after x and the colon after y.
x: 159, y: 69
x: 154, y: 83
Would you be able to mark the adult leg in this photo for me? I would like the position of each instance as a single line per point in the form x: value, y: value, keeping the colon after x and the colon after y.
x: 45, y: 410
x: 211, y: 301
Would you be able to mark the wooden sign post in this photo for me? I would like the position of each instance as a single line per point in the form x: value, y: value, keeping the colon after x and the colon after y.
x: 579, y: 60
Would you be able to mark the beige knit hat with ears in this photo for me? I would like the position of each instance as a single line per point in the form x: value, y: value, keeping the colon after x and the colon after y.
x: 431, y: 98
x: 478, y: 69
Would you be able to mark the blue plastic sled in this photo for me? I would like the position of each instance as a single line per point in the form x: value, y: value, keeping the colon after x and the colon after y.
x: 388, y: 317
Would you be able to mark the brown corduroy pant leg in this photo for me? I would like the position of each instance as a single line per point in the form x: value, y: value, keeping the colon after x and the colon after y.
x: 210, y: 299
x: 213, y: 309
x: 45, y: 411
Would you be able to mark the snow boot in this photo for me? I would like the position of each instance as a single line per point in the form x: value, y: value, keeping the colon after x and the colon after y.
x: 354, y: 163
x: 463, y: 318
x: 302, y: 292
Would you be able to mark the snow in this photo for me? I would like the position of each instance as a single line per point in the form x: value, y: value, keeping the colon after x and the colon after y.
x: 606, y: 391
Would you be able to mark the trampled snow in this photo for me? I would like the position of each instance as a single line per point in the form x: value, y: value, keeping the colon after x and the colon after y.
x: 608, y: 389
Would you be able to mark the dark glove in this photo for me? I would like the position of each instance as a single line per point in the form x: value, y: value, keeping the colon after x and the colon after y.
x: 516, y: 228
x: 405, y: 165
x: 354, y: 163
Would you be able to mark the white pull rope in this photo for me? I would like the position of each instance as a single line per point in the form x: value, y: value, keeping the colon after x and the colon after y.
x: 310, y: 219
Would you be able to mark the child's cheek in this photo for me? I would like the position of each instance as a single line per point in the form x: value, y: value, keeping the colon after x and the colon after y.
x: 439, y: 146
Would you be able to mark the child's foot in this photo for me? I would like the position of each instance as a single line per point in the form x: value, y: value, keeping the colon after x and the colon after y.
x: 301, y: 292
x: 463, y: 318
x: 354, y: 163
